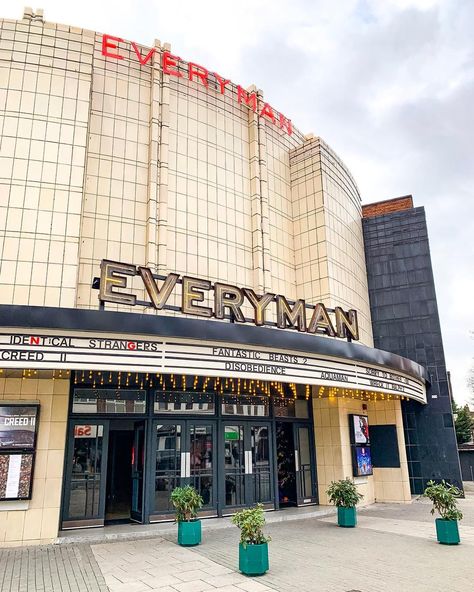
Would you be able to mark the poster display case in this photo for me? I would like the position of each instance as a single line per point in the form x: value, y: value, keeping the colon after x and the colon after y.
x: 18, y: 434
x: 360, y: 444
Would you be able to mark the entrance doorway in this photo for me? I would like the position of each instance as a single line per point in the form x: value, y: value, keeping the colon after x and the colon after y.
x: 286, y: 465
x: 106, y: 467
x: 296, y: 481
x: 124, y: 471
x: 236, y: 451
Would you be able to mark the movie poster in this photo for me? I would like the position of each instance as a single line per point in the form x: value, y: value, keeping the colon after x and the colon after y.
x: 18, y: 426
x: 362, y: 461
x: 15, y: 476
x: 361, y: 429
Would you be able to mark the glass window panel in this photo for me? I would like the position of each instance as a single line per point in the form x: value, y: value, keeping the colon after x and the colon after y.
x: 168, y: 402
x: 291, y: 408
x: 201, y: 459
x: 246, y: 406
x: 114, y: 401
x: 86, y: 471
x: 234, y: 465
x: 168, y: 464
x: 305, y: 456
x: 261, y: 463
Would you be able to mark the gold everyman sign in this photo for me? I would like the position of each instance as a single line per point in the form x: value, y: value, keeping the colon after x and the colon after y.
x: 227, y: 298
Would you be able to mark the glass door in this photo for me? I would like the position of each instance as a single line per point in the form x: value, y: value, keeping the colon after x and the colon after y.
x: 235, y: 460
x: 305, y: 477
x: 200, y: 441
x: 183, y: 454
x: 86, y: 470
x: 261, y: 468
x: 247, y: 465
x: 138, y: 463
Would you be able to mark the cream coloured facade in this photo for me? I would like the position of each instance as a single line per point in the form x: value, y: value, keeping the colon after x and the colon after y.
x: 106, y: 158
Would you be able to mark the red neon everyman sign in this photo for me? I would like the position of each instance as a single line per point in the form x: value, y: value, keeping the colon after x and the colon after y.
x: 170, y: 64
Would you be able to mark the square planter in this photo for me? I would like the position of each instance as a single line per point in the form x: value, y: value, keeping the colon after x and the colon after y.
x: 253, y: 559
x: 447, y: 531
x: 189, y: 533
x: 346, y: 517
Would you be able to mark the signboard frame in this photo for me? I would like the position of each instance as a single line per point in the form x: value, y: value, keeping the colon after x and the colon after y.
x: 18, y: 405
x: 31, y: 470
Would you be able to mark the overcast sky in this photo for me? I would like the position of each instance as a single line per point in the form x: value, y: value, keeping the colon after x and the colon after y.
x: 389, y: 84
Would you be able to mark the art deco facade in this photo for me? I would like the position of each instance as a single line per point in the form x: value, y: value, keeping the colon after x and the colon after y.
x: 112, y: 158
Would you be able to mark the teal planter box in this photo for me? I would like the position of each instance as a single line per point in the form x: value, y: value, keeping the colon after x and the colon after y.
x: 447, y: 532
x: 189, y: 533
x: 346, y: 517
x: 253, y: 559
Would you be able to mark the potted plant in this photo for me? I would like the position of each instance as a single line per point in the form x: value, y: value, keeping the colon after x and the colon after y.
x: 344, y: 495
x: 187, y: 501
x: 444, y: 497
x: 253, y: 546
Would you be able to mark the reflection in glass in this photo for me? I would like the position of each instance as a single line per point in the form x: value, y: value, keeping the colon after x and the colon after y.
x: 246, y: 406
x: 234, y: 465
x: 86, y: 472
x: 261, y: 463
x: 168, y: 464
x: 305, y: 462
x: 114, y: 401
x: 168, y: 402
x: 291, y: 408
x: 201, y: 459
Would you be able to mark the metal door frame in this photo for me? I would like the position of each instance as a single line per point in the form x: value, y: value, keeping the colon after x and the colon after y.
x: 301, y: 500
x: 246, y: 423
x: 140, y: 516
x: 185, y: 465
x: 99, y: 520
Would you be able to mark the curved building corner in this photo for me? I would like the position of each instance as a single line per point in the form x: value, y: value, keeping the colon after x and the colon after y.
x: 183, y: 296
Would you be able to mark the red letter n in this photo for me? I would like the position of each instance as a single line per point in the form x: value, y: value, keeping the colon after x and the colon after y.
x: 249, y: 99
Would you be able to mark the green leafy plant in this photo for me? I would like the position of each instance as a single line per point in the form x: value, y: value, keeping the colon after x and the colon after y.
x: 186, y: 501
x: 251, y: 522
x: 343, y: 493
x: 444, y: 497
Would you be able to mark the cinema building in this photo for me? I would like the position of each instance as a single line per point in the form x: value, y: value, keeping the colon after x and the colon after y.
x: 184, y: 298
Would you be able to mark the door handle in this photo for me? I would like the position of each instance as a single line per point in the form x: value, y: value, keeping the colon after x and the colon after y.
x: 188, y: 464
x: 248, y: 462
x: 297, y: 460
x: 183, y: 464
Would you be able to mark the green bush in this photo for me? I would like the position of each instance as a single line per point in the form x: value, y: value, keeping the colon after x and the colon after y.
x: 186, y: 502
x: 251, y: 522
x: 444, y: 497
x: 343, y: 493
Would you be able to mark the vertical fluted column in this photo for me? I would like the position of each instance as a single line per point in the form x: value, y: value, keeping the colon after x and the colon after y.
x: 151, y: 249
x: 265, y: 212
x: 259, y: 199
x: 157, y: 211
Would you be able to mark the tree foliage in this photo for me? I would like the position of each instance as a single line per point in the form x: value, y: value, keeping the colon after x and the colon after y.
x: 464, y: 424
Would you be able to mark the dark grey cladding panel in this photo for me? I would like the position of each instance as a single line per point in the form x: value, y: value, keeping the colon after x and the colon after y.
x: 405, y: 321
x: 73, y: 319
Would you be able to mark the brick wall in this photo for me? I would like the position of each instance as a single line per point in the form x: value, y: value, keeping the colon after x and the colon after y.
x: 387, y: 206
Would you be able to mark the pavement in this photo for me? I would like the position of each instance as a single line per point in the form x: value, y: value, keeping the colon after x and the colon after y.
x: 393, y: 549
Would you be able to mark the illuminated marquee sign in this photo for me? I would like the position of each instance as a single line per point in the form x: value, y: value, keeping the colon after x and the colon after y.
x: 174, y: 66
x: 112, y: 353
x: 227, y: 299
